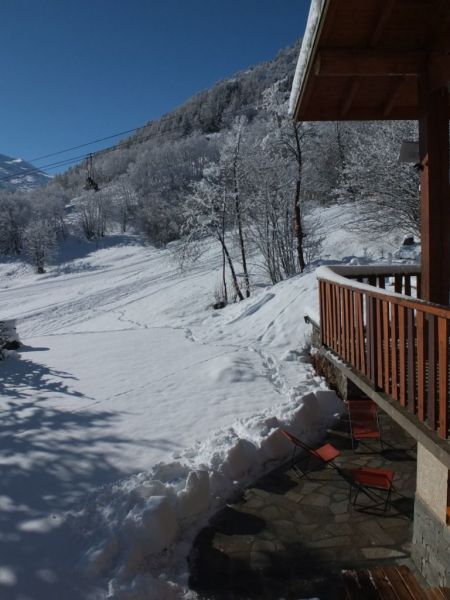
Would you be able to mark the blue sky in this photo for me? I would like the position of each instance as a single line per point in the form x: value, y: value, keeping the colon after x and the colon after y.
x: 77, y: 70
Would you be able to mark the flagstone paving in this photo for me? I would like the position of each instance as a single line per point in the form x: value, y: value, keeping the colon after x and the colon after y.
x: 289, y: 538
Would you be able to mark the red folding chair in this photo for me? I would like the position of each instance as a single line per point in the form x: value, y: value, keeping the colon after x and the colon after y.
x: 326, y: 454
x: 364, y: 423
x: 372, y: 481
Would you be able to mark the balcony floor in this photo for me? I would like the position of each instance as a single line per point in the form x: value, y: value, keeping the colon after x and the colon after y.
x: 289, y: 539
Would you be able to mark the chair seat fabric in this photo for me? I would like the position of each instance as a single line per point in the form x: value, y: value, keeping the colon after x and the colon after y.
x: 327, y: 452
x: 362, y: 432
x: 372, y: 477
x: 364, y: 423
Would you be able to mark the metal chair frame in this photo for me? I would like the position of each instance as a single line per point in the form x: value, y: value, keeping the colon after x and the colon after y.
x: 310, y: 452
x: 384, y: 501
x: 353, y: 438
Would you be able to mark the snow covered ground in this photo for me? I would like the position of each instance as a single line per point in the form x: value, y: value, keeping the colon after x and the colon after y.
x: 139, y: 409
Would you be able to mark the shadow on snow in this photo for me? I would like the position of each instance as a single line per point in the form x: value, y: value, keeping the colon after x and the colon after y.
x: 50, y: 458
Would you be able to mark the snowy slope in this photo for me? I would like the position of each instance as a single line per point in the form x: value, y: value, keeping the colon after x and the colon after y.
x: 125, y: 366
x: 13, y: 177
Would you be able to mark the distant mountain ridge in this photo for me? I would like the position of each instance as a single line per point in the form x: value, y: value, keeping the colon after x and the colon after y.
x: 12, y: 175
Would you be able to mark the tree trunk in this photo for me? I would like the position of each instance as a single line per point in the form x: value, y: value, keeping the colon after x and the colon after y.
x: 298, y: 227
x: 224, y: 277
x: 233, y: 272
x: 343, y: 161
x: 237, y: 203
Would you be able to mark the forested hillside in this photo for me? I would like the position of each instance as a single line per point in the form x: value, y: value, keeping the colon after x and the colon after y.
x: 228, y: 164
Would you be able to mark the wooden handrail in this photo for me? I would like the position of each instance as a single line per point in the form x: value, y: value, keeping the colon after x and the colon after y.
x: 335, y: 274
x: 399, y: 343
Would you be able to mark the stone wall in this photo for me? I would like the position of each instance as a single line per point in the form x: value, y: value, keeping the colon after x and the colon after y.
x: 334, y: 377
x: 432, y: 479
x: 431, y: 545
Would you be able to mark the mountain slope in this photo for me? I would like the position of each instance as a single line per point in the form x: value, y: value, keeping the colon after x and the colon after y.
x: 210, y: 111
x: 12, y: 174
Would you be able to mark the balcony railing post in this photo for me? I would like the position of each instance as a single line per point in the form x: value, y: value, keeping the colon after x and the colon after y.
x: 402, y: 354
x: 432, y: 364
x: 421, y: 365
x: 323, y: 323
x: 443, y: 377
x: 386, y: 347
x: 411, y: 372
x: 394, y: 350
x: 371, y: 329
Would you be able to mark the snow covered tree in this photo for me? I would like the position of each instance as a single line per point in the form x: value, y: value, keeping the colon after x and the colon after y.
x: 207, y: 215
x: 39, y: 242
x: 162, y: 176
x: 49, y: 202
x: 273, y: 166
x: 93, y: 214
x: 289, y: 136
x: 15, y: 213
x: 126, y: 202
x: 271, y: 228
x: 231, y: 172
x: 385, y: 192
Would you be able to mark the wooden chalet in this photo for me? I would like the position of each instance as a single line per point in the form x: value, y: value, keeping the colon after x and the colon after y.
x: 387, y: 328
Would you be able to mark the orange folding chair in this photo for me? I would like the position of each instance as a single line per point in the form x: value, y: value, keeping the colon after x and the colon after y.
x: 326, y: 454
x: 372, y: 482
x: 364, y: 423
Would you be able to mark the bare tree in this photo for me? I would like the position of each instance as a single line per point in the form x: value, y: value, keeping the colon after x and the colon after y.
x: 290, y: 135
x: 126, y: 202
x: 230, y: 163
x: 206, y: 214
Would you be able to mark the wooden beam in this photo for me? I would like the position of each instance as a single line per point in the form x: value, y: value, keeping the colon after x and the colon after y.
x: 313, y: 112
x: 336, y: 62
x: 393, y: 96
x: 304, y: 98
x: 439, y: 74
x: 435, y: 191
x: 331, y: 8
x: 440, y: 36
x: 381, y: 23
x: 354, y: 87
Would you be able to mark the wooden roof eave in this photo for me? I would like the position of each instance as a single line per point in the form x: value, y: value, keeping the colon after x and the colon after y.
x: 362, y: 72
x: 311, y: 59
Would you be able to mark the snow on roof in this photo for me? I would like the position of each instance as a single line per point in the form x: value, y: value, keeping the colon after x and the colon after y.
x: 312, y: 24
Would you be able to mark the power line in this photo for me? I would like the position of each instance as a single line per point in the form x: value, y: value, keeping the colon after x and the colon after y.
x: 127, y: 143
x: 109, y: 137
x: 48, y: 167
x: 162, y: 120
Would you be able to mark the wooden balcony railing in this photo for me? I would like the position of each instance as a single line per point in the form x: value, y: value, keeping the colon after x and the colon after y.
x: 397, y: 341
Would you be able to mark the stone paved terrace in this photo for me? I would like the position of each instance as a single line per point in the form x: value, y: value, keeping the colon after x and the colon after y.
x: 289, y: 539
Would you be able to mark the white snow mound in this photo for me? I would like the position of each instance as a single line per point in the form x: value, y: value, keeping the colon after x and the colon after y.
x: 147, y: 522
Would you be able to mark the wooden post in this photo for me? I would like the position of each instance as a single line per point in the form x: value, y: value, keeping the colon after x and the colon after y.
x: 435, y: 189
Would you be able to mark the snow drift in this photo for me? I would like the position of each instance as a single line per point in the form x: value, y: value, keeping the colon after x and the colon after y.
x: 143, y: 526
